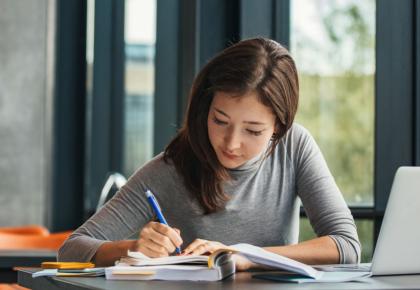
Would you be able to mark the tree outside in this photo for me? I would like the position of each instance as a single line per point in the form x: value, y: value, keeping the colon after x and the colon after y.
x: 333, y: 43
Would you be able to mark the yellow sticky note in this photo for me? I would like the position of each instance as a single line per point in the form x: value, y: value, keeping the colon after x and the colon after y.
x: 66, y: 265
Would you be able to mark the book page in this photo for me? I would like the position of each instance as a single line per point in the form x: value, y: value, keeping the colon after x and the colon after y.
x: 253, y: 253
x: 139, y: 259
x: 260, y: 256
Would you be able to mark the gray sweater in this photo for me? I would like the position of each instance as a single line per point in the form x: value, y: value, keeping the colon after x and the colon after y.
x: 263, y: 209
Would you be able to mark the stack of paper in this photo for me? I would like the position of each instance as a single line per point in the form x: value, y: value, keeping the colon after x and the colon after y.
x: 194, y: 268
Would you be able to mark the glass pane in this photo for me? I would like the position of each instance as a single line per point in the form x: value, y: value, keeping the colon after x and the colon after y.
x: 90, y: 31
x: 333, y: 43
x: 364, y: 229
x: 140, y: 38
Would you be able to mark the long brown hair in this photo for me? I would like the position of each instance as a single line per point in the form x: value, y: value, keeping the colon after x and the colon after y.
x: 258, y: 64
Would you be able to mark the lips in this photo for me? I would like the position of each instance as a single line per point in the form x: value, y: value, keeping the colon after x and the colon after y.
x: 230, y: 156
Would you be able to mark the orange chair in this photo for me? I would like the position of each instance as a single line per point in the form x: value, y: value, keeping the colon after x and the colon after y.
x: 21, y: 242
x: 12, y: 287
x: 27, y: 238
x: 26, y: 230
x: 31, y: 237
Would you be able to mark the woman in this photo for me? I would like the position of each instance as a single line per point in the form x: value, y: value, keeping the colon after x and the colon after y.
x: 234, y: 173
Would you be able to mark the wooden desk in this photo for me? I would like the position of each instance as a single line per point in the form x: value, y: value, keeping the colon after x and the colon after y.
x: 21, y: 258
x: 242, y: 281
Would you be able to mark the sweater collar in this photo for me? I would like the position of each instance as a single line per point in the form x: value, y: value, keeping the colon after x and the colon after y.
x: 252, y: 164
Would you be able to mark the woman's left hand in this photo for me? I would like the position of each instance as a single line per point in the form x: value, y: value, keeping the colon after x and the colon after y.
x: 200, y: 247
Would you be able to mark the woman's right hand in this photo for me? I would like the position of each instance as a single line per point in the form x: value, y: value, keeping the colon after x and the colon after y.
x: 157, y: 240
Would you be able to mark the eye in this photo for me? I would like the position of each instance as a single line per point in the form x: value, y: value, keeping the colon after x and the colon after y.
x: 255, y: 133
x: 219, y: 122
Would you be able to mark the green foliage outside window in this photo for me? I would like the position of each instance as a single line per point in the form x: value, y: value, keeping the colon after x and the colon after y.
x: 333, y: 43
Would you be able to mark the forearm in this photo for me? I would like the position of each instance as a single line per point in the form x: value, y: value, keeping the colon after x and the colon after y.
x: 321, y: 250
x: 109, y: 252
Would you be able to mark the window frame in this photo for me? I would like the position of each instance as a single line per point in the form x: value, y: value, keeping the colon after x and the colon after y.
x: 65, y: 196
x: 182, y: 47
x: 275, y: 23
x: 104, y: 127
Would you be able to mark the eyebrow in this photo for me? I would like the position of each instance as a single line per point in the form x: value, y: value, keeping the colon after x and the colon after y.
x: 247, y: 122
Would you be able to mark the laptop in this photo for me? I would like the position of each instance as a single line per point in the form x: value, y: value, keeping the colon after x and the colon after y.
x: 398, y: 247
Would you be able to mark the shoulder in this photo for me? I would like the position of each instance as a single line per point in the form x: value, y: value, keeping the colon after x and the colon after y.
x: 155, y: 169
x: 156, y: 175
x: 296, y: 139
x: 297, y: 134
x: 297, y: 145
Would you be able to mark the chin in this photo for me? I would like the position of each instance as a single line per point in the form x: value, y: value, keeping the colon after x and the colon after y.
x: 230, y: 164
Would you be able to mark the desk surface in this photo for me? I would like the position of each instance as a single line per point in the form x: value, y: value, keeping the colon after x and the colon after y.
x: 243, y: 281
x: 21, y: 258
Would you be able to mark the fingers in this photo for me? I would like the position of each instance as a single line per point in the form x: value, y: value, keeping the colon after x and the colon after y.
x: 200, y: 246
x: 158, y: 240
x: 170, y: 233
x: 150, y: 249
x: 195, y: 248
x: 161, y: 241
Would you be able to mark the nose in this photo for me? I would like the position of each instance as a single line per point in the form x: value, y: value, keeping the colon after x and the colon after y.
x: 232, y: 140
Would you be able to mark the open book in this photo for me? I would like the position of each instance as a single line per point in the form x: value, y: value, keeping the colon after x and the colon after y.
x: 137, y: 266
x: 215, y: 267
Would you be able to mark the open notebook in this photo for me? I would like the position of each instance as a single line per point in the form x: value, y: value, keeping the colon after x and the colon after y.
x: 215, y: 267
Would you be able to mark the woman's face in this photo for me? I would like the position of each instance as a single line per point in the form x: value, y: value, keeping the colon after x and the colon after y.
x: 239, y: 128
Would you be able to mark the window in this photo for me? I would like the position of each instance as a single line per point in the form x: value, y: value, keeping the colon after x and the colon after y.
x: 334, y: 47
x: 140, y: 38
x: 364, y: 228
x: 91, y: 128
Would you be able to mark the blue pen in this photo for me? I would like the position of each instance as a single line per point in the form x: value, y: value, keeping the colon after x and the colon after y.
x: 156, y: 208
